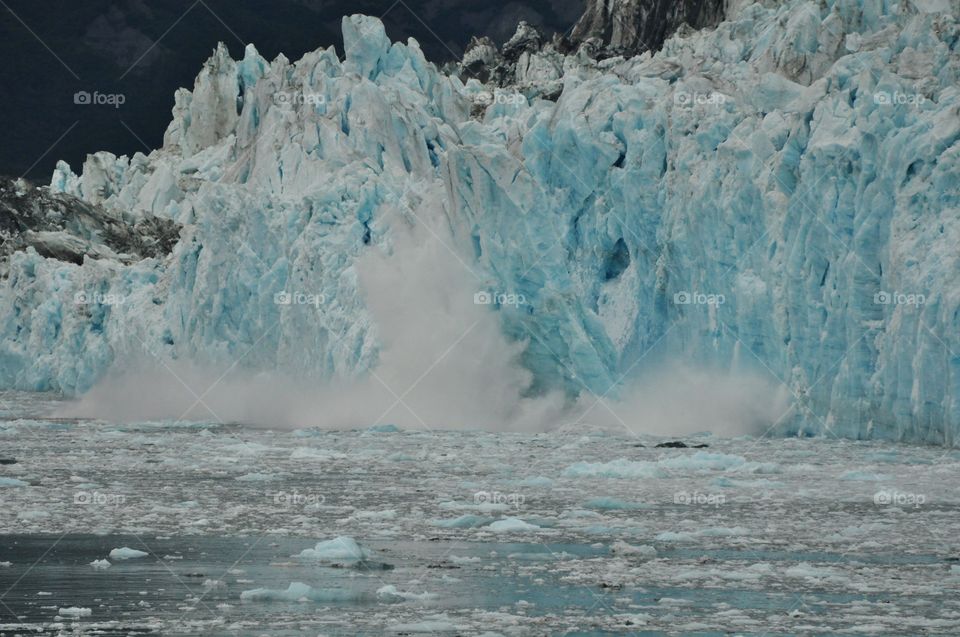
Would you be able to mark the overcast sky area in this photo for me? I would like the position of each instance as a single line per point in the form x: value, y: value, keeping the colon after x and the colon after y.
x: 144, y: 50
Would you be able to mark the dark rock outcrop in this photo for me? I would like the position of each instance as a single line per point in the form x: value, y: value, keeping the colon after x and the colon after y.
x: 61, y: 226
x: 679, y: 444
x: 630, y: 27
x: 607, y: 28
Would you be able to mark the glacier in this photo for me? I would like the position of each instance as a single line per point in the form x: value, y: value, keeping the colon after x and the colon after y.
x: 778, y: 195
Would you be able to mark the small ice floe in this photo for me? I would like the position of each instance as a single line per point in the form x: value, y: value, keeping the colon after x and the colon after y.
x: 74, y: 611
x: 620, y: 468
x: 438, y: 624
x: 12, y: 482
x: 813, y: 573
x: 466, y: 521
x: 629, y: 550
x: 580, y: 514
x: 703, y: 461
x: 387, y: 514
x: 512, y: 525
x: 614, y: 504
x: 390, y: 593
x: 315, y: 455
x: 247, y: 449
x: 343, y: 552
x: 300, y: 592
x: 32, y: 514
x: 862, y: 476
x: 100, y: 565
x: 6, y: 564
x: 723, y: 531
x: 126, y: 553
x: 540, y: 556
x: 712, y: 531
x: 633, y: 619
x: 535, y: 481
x: 257, y: 477
x: 482, y: 503
x: 340, y: 549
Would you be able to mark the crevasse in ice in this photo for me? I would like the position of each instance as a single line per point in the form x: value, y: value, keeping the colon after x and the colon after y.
x: 781, y: 193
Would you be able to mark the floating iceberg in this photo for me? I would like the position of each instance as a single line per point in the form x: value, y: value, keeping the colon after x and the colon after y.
x: 300, y: 592
x: 126, y: 553
x: 390, y: 593
x: 512, y: 525
x: 628, y: 550
x: 341, y: 549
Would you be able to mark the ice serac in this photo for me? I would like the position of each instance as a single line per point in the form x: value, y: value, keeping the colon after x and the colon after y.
x: 780, y: 194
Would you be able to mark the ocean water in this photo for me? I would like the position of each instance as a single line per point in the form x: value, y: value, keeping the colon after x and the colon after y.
x: 586, y: 532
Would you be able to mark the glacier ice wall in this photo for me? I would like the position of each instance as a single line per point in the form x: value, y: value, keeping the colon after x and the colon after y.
x: 779, y: 195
